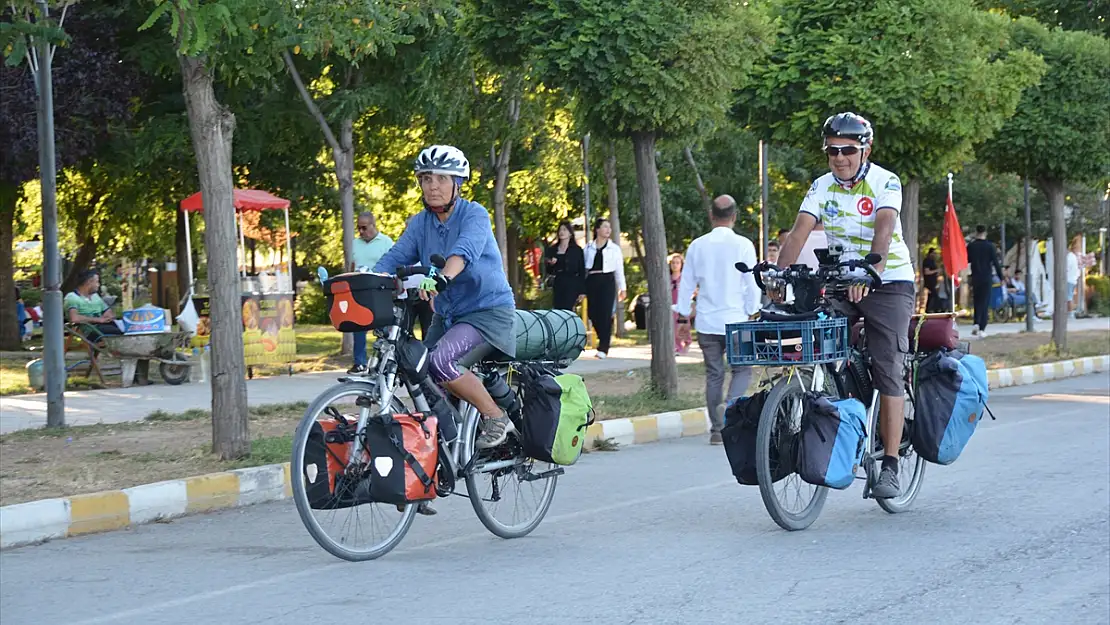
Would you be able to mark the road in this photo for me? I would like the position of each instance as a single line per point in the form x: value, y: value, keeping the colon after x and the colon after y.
x: 1018, y: 530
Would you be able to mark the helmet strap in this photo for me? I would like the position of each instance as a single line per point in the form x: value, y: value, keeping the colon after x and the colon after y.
x: 450, y: 204
x: 861, y: 173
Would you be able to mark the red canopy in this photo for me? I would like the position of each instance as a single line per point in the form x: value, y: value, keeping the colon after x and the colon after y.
x: 244, y: 200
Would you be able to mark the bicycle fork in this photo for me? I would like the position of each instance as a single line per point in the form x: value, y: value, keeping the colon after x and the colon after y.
x: 870, y: 456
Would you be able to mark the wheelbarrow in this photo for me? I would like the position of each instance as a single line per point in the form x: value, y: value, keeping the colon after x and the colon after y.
x: 129, y: 349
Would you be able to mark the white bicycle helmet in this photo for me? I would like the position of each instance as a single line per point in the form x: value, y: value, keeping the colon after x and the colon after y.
x: 442, y: 159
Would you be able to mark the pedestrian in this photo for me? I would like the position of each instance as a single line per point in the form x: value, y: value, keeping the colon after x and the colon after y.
x: 1071, y: 277
x: 682, y: 338
x: 983, y: 260
x: 604, y: 283
x: 930, y: 273
x: 368, y: 249
x: 566, y: 269
x: 724, y: 296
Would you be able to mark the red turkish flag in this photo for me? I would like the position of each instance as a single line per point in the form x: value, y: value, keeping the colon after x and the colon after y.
x: 953, y: 248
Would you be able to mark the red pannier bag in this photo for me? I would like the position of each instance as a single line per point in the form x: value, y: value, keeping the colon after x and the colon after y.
x: 404, y: 454
x: 933, y: 333
x: 325, y: 464
x: 358, y: 302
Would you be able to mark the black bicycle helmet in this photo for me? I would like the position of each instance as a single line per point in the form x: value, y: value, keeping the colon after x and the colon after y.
x: 849, y: 125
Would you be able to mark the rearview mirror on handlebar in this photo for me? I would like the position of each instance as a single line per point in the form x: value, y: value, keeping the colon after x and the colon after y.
x: 438, y: 261
x: 873, y: 258
x: 743, y: 267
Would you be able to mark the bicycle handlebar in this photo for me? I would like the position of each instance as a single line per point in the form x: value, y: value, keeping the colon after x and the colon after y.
x: 438, y: 263
x: 836, y: 275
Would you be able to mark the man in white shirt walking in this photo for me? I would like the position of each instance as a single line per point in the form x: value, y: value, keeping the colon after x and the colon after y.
x: 724, y: 296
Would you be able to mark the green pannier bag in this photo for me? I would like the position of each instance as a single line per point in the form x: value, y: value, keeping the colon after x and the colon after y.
x: 556, y: 410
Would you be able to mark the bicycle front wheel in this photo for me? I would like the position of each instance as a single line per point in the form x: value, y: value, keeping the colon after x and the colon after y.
x: 793, y: 503
x: 510, y: 492
x: 342, y: 524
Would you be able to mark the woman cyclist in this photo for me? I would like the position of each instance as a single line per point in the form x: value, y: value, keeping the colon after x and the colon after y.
x: 474, y: 305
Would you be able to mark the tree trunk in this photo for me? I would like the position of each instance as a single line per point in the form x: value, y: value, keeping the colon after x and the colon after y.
x: 212, y: 126
x: 1054, y: 189
x: 706, y: 203
x: 500, y: 163
x: 911, y: 193
x: 500, y: 188
x: 512, y: 258
x: 614, y: 216
x: 9, y: 322
x: 182, y: 254
x: 664, y: 374
x: 345, y: 174
x: 81, y: 261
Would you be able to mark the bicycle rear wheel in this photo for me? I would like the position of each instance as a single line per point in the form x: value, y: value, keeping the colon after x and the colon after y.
x: 351, y: 532
x: 792, y: 503
x: 911, y: 467
x: 510, y: 492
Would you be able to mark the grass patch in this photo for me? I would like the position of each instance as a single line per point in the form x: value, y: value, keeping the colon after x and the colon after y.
x: 266, y: 450
x: 606, y: 444
x: 317, y: 340
x: 192, y: 414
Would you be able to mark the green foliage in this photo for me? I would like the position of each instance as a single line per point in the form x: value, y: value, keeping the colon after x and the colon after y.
x: 1061, y: 130
x: 24, y: 27
x: 1090, y: 15
x: 311, y: 306
x: 1098, y: 289
x: 635, y: 65
x: 932, y: 92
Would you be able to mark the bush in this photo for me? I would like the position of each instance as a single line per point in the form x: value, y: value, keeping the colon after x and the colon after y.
x: 311, y: 306
x: 1098, y: 294
x: 31, y: 297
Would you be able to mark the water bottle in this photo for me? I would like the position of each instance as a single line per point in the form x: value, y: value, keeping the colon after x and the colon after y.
x: 503, y: 395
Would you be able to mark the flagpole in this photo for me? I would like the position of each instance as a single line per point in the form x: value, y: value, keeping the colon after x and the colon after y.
x: 952, y: 275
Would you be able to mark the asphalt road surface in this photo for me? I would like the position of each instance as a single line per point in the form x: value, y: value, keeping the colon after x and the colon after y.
x: 1017, y: 531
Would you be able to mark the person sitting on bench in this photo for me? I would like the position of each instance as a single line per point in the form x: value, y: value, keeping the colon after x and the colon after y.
x: 86, y: 309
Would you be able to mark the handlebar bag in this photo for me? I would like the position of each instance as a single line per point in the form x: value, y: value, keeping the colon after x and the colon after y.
x: 952, y: 395
x: 325, y: 463
x: 358, y: 302
x: 404, y: 454
x: 830, y: 445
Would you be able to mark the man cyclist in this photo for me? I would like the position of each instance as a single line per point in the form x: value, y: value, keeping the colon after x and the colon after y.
x: 859, y: 203
x: 474, y: 316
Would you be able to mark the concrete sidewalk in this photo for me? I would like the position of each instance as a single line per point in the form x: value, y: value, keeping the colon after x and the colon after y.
x: 134, y: 404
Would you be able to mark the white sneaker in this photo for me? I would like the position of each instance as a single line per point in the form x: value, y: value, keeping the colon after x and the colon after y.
x: 982, y: 333
x: 601, y: 355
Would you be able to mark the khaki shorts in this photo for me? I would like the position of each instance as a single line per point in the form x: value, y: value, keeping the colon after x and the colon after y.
x: 886, y: 314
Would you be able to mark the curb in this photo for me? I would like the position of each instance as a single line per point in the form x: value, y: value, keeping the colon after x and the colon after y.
x: 39, y: 521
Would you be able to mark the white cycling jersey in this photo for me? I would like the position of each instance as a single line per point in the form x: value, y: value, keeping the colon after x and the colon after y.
x: 849, y: 217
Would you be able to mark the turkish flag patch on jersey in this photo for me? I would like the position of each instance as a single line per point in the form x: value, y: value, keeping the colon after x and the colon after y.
x: 865, y: 206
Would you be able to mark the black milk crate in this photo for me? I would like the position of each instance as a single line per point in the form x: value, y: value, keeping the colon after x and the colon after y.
x: 787, y: 342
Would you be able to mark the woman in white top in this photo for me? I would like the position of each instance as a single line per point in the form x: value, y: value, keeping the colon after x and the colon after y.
x: 604, y: 283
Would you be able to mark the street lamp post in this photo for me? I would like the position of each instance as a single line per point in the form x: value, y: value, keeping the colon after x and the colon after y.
x: 53, y: 354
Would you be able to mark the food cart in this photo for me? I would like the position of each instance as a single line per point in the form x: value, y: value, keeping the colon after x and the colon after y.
x: 267, y: 297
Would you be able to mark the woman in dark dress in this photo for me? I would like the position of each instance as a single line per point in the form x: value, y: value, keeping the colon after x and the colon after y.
x: 567, y: 266
x: 604, y: 283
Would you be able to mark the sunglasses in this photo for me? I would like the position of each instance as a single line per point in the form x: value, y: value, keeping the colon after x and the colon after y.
x: 846, y: 150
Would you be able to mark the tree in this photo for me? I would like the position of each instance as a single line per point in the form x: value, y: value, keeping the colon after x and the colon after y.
x: 93, y: 92
x: 1090, y: 15
x: 209, y: 37
x: 637, y: 69
x: 925, y: 72
x: 1060, y: 132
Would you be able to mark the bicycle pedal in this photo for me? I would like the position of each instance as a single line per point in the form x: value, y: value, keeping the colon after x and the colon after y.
x: 532, y: 477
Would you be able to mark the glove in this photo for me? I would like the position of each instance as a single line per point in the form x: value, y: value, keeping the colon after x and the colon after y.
x: 436, y: 284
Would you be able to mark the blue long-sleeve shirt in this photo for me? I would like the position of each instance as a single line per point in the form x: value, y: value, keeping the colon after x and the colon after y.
x: 466, y: 233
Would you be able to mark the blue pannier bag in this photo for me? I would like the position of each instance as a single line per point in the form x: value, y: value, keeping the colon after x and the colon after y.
x: 830, y: 444
x: 952, y: 396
